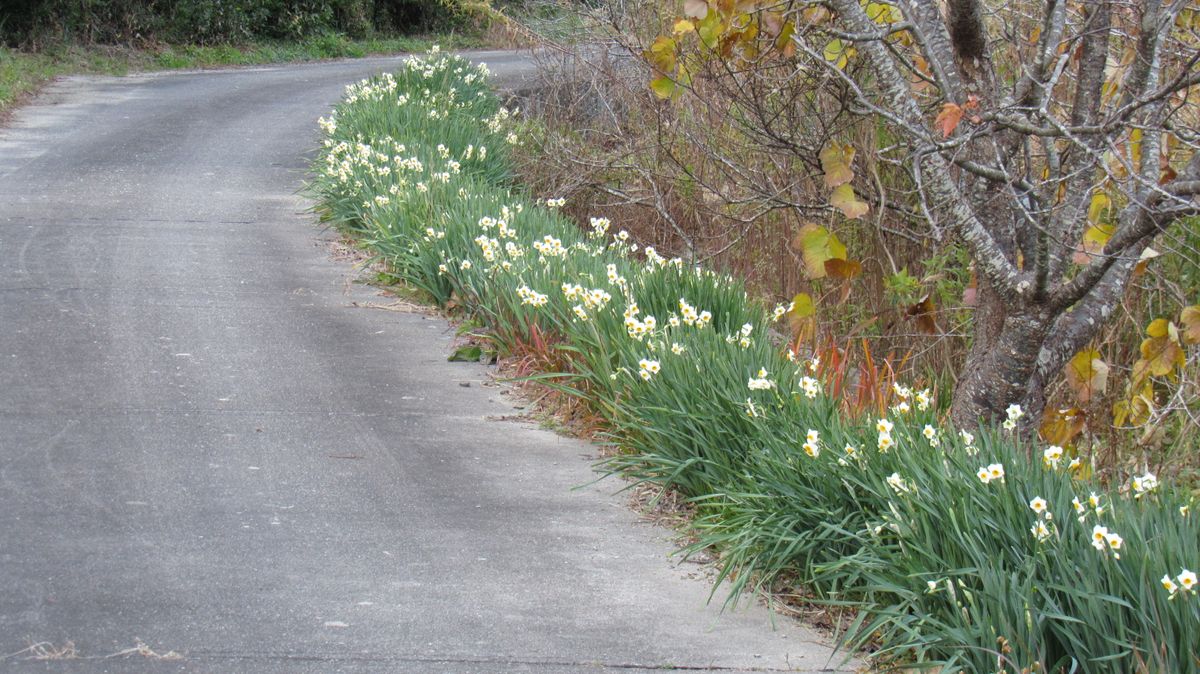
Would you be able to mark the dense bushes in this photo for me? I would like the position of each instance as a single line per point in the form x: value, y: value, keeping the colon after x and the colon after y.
x: 960, y: 548
x: 29, y: 22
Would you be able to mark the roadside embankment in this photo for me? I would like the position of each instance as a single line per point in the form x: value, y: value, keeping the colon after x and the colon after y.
x: 963, y: 548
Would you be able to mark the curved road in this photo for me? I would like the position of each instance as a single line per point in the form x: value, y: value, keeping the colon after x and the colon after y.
x: 207, y: 449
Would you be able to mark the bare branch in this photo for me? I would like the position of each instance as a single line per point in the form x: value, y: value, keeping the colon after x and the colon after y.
x: 1079, y: 167
x: 1073, y: 330
x: 1001, y: 272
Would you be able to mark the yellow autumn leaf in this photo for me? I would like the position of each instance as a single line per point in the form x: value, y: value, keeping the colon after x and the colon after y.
x: 839, y: 53
x: 663, y: 87
x: 1135, y: 147
x: 711, y: 29
x: 883, y: 13
x: 836, y: 159
x: 1094, y: 239
x: 1099, y: 207
x: 661, y: 54
x: 1141, y: 405
x: 817, y: 246
x: 1162, y: 356
x: 844, y: 199
x: 1087, y: 375
x: 801, y: 318
x: 1157, y: 327
x: 1137, y: 409
x: 803, y: 306
x: 784, y: 41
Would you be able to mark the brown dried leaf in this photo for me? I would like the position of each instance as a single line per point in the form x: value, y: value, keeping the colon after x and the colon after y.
x: 925, y: 312
x: 1190, y: 319
x: 695, y: 9
x: 842, y: 269
x: 1061, y: 427
x: 948, y: 119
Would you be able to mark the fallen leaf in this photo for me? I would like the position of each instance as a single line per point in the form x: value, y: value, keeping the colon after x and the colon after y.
x: 466, y: 354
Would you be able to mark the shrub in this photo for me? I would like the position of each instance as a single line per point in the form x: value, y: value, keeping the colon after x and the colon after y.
x: 29, y: 22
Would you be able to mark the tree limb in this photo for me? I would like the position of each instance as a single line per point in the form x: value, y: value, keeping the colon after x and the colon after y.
x: 993, y: 263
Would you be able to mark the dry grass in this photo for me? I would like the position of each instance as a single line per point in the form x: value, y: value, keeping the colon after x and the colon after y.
x: 685, y: 179
x: 48, y: 651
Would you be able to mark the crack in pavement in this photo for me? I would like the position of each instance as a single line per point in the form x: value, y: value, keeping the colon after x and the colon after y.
x: 483, y: 660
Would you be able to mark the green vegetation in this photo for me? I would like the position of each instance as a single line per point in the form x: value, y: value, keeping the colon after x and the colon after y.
x: 31, y: 23
x: 22, y: 73
x: 43, y: 39
x: 964, y: 548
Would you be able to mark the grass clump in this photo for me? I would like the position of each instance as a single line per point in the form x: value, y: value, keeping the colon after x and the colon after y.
x: 22, y: 73
x: 963, y: 549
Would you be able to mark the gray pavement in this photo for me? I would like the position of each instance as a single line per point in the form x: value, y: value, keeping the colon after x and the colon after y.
x: 207, y: 449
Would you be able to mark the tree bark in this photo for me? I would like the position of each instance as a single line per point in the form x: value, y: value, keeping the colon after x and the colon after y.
x: 1002, y: 366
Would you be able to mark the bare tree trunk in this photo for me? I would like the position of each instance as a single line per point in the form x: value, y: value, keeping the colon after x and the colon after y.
x: 1002, y: 367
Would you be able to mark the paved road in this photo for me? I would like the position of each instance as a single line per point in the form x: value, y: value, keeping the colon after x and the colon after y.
x: 207, y: 449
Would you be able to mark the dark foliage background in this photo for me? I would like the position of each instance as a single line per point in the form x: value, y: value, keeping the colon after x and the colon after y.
x: 29, y: 23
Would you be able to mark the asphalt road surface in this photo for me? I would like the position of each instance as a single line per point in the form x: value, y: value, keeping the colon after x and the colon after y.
x: 213, y: 458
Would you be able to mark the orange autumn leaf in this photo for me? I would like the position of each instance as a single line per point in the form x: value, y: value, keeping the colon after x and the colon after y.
x: 948, y: 119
